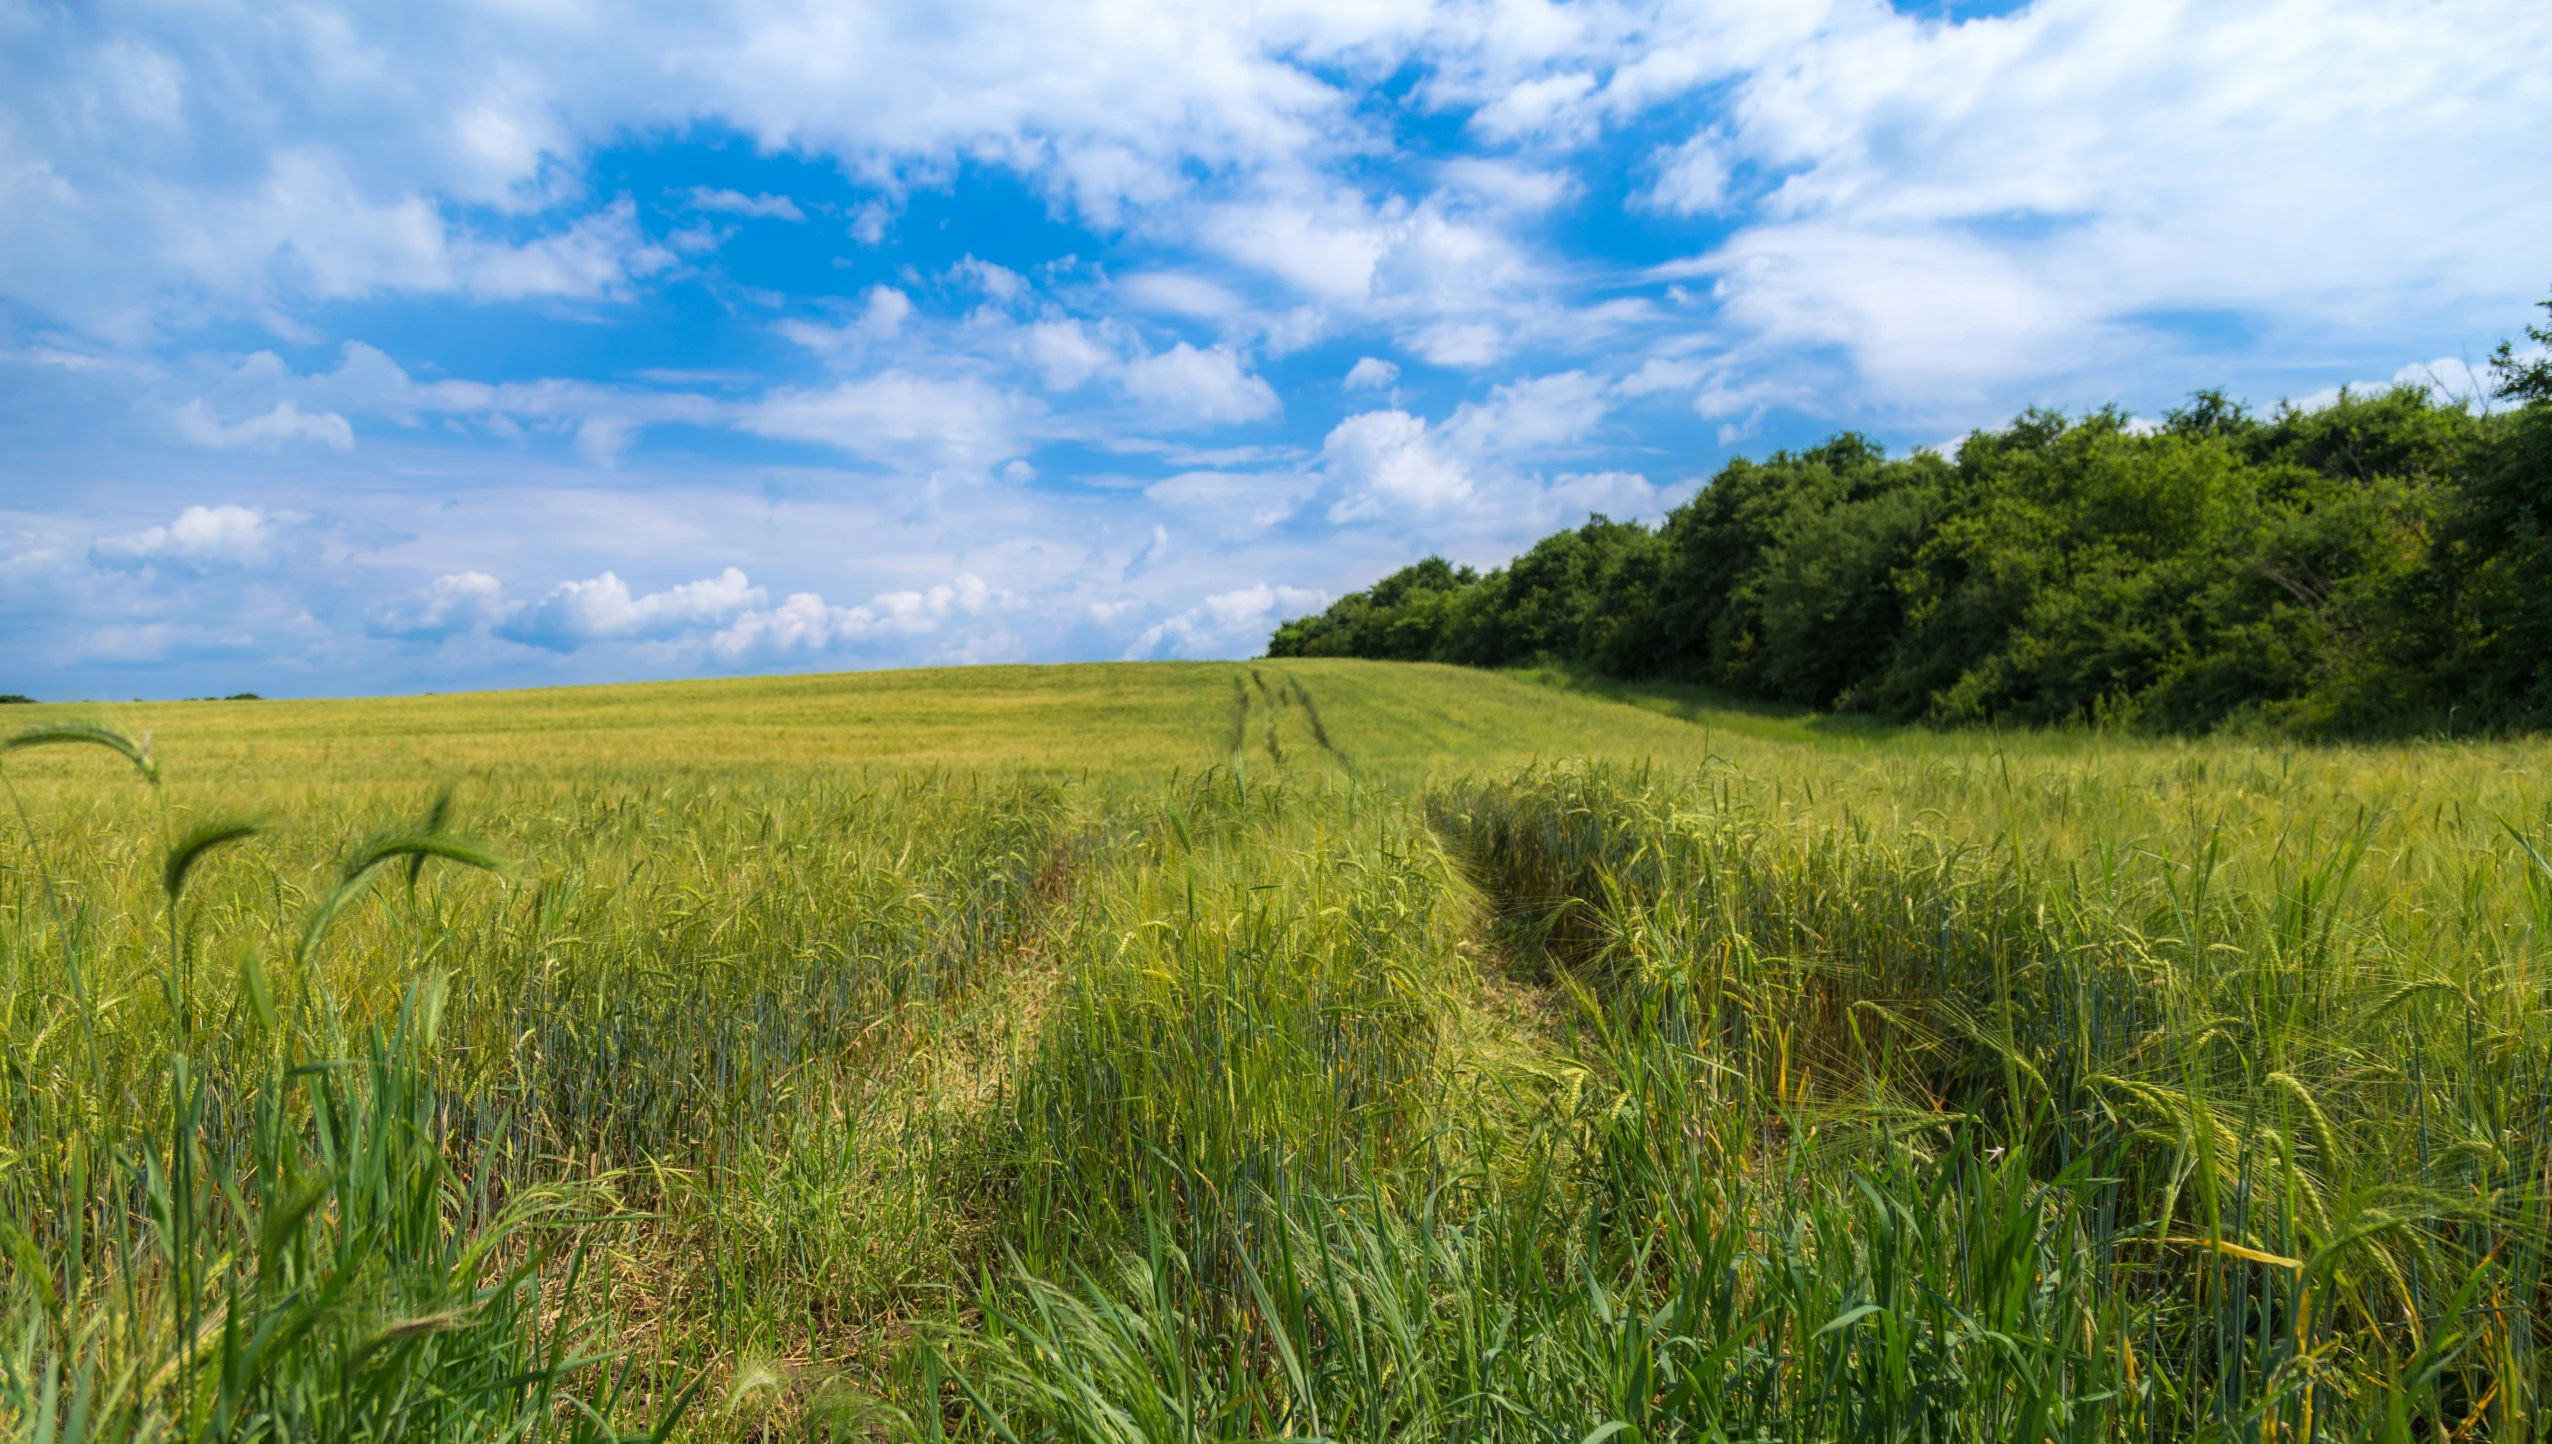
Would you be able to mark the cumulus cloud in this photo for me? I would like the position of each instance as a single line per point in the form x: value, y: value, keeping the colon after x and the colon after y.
x: 382, y: 126
x: 201, y: 537
x: 1233, y: 623
x: 1530, y: 415
x: 29, y: 559
x: 2449, y: 378
x: 1385, y: 463
x: 456, y: 603
x: 578, y: 614
x: 1371, y: 373
x: 806, y: 625
x: 1200, y: 387
x: 1573, y: 494
x: 974, y: 371
x: 1065, y: 354
x: 1967, y: 206
x: 206, y: 159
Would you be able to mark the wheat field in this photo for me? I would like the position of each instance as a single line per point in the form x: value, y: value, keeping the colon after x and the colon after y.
x: 1320, y: 1050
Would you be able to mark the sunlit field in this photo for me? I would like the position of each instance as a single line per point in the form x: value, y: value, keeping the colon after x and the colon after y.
x: 1313, y: 1049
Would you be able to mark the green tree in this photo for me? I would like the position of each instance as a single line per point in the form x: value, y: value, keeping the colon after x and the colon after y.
x: 2375, y: 564
x: 1402, y: 618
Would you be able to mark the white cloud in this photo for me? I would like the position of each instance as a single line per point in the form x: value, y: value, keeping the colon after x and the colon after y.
x: 1660, y: 373
x: 604, y: 421
x: 1508, y: 186
x: 286, y: 422
x: 1180, y: 293
x: 1971, y: 207
x: 577, y: 614
x: 201, y: 537
x: 70, y: 360
x: 2450, y: 378
x: 1199, y: 488
x: 603, y: 440
x: 1530, y: 415
x: 803, y: 624
x: 30, y: 560
x: 807, y: 625
x: 1543, y: 104
x: 379, y: 128
x: 596, y: 257
x: 1385, y: 463
x: 736, y: 203
x: 1200, y: 387
x: 1691, y: 178
x: 923, y: 611
x: 882, y: 314
x: 1618, y: 494
x: 367, y: 380
x: 1234, y: 623
x: 452, y: 604
x: 1371, y: 373
x: 1466, y: 345
x: 999, y: 283
x: 899, y: 417
x: 1066, y: 355
x: 217, y: 159
x: 1328, y: 249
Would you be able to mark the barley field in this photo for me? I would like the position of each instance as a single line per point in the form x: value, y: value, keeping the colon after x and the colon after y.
x: 1316, y: 1050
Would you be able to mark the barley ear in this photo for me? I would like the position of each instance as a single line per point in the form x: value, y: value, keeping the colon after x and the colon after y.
x: 434, y: 819
x: 254, y: 987
x: 360, y: 866
x: 200, y: 839
x: 89, y: 734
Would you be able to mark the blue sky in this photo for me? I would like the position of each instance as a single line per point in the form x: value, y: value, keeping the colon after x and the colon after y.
x: 534, y: 341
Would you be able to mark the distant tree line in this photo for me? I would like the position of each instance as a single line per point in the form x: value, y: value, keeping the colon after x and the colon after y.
x: 2380, y: 564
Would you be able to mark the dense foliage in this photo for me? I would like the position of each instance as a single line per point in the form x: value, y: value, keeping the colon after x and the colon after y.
x: 2372, y: 565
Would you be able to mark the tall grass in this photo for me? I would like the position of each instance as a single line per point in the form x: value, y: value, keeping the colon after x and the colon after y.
x: 1889, y: 1133
x: 720, y: 1015
x: 1788, y: 1085
x: 1258, y: 998
x: 252, y: 1242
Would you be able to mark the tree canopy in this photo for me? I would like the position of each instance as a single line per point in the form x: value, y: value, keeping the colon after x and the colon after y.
x: 2378, y: 564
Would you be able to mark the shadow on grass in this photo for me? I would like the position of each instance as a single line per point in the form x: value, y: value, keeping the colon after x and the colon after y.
x: 1710, y: 707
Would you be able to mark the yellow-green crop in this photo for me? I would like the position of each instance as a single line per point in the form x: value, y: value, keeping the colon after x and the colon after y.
x: 1311, y: 1049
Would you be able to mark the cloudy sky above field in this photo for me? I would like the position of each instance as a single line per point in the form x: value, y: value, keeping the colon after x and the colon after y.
x: 428, y: 347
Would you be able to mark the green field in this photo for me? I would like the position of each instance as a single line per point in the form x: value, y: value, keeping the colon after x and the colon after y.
x: 1313, y: 1050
